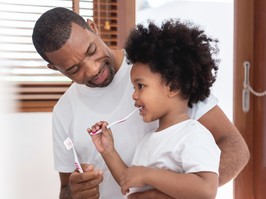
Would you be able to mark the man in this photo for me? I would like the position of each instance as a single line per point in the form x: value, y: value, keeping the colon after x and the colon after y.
x: 102, y: 91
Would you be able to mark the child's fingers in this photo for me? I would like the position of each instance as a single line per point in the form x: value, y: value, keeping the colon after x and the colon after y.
x: 89, y: 130
x: 124, y: 191
x: 97, y: 126
x: 106, y: 131
x: 104, y: 125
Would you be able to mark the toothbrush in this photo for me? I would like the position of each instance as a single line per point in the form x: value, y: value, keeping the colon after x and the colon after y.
x: 116, y: 122
x: 69, y: 145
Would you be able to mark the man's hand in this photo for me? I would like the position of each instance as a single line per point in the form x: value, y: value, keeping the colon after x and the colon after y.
x: 83, y: 185
x: 150, y: 194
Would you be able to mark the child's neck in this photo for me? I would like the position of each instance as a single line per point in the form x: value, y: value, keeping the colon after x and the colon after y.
x: 174, y: 119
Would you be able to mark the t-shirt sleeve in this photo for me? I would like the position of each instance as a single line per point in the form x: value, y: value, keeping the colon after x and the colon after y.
x: 63, y: 158
x: 200, y: 153
x: 202, y: 107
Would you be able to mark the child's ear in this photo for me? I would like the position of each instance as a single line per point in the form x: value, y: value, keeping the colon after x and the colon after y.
x: 173, y: 89
x: 173, y: 93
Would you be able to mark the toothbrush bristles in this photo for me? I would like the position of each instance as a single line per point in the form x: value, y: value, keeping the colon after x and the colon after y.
x: 68, y: 143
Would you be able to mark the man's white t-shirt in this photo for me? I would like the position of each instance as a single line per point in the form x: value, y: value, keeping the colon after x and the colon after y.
x: 81, y: 107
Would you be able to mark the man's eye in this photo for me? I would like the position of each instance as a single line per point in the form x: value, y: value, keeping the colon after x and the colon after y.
x: 91, y: 50
x: 73, y: 70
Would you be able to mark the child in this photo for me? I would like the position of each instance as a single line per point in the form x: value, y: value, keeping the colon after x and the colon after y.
x: 173, y: 68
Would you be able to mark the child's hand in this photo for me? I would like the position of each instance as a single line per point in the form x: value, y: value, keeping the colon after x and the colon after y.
x: 97, y: 126
x: 133, y: 176
x: 104, y: 141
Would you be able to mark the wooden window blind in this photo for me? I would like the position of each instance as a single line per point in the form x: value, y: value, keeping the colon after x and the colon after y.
x: 105, y: 16
x: 38, y: 88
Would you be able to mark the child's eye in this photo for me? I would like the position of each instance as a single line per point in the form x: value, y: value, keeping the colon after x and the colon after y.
x: 140, y: 86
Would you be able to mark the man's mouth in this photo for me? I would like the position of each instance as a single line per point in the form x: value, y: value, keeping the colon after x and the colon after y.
x: 100, y: 78
x: 104, y: 77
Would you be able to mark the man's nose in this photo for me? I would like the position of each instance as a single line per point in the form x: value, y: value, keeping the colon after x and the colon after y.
x: 91, y: 68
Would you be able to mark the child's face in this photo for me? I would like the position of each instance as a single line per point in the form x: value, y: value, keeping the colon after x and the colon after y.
x: 150, y: 92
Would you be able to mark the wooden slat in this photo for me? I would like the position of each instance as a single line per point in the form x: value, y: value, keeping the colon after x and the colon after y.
x: 38, y: 90
x: 35, y: 96
x: 41, y: 91
x: 35, y: 106
x: 75, y: 6
x: 39, y: 84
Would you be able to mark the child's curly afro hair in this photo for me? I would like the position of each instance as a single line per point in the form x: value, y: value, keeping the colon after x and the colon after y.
x: 180, y: 52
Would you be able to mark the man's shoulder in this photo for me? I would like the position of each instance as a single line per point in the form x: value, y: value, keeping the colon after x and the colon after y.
x: 67, y: 97
x: 202, y: 107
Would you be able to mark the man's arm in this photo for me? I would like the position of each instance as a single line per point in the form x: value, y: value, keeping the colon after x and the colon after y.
x: 234, y: 150
x: 81, y: 185
x: 64, y: 188
x: 150, y: 194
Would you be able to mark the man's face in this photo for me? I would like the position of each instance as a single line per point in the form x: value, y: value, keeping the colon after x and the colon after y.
x: 84, y: 58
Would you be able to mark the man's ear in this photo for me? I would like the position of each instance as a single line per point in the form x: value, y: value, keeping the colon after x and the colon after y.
x: 51, y: 66
x: 92, y: 26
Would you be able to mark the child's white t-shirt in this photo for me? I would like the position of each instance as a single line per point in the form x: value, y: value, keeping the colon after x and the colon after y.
x: 186, y: 147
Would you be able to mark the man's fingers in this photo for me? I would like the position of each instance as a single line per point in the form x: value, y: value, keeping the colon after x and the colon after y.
x: 86, y: 185
x: 87, y: 167
x: 89, y: 175
x: 92, y: 193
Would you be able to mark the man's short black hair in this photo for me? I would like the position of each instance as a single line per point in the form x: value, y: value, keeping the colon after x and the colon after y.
x: 53, y: 29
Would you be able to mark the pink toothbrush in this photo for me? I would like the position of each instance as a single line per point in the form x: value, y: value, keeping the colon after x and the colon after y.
x: 116, y: 122
x: 69, y: 145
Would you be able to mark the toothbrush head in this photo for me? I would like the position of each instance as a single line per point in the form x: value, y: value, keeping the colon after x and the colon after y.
x: 68, y: 143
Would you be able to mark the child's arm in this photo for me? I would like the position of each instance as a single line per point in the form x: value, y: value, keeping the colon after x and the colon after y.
x: 201, y: 185
x: 104, y: 144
